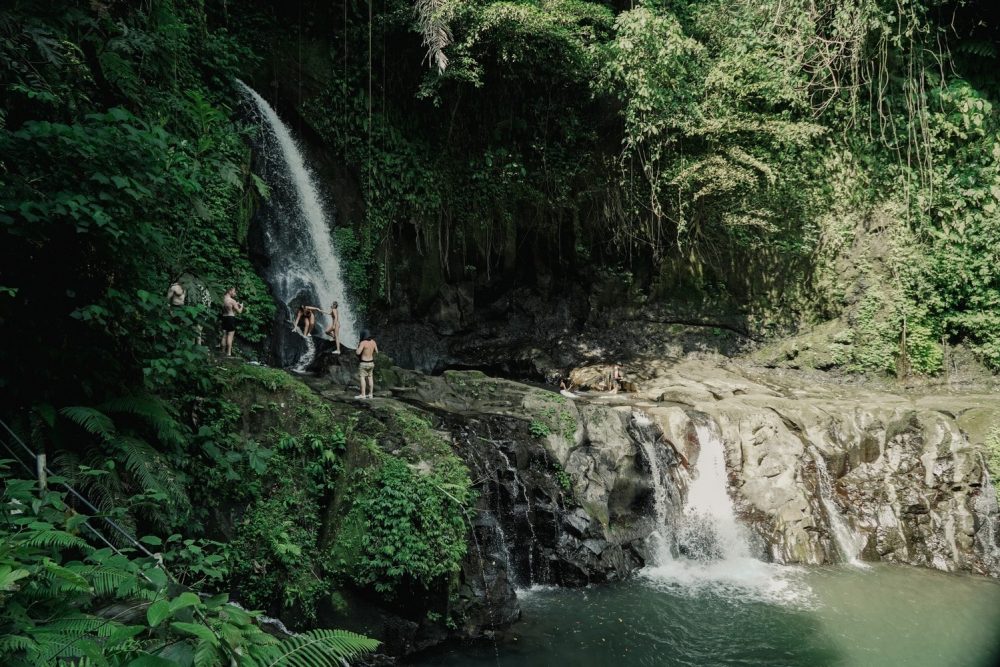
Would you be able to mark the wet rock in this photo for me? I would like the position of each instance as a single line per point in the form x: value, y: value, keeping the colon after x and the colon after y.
x: 907, y: 478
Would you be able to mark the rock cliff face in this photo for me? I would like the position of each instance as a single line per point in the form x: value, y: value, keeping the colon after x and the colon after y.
x: 829, y: 473
x: 571, y: 490
x: 568, y: 491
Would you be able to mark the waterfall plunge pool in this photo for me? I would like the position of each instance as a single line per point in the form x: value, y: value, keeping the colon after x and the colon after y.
x: 769, y: 615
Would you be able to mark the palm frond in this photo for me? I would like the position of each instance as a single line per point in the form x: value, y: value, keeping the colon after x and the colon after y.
x: 432, y: 18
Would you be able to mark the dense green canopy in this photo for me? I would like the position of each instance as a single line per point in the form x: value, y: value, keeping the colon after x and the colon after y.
x: 796, y: 161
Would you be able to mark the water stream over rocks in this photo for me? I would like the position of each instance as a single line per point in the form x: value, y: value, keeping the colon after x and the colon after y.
x: 302, y: 265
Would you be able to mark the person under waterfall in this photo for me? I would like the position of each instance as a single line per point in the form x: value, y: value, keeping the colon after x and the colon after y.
x: 306, y: 315
x: 230, y: 307
x: 367, y: 349
x: 333, y: 331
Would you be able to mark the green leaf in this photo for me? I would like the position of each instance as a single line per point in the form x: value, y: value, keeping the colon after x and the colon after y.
x: 186, y: 599
x: 9, y: 577
x: 156, y: 612
x: 199, y: 631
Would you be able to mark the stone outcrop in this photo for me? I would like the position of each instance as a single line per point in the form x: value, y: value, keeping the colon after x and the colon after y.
x: 906, y: 473
x: 569, y: 484
x: 570, y: 490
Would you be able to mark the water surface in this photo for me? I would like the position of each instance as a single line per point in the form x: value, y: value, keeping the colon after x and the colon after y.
x: 685, y: 614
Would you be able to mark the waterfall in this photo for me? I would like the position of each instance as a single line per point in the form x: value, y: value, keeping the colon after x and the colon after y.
x: 710, y: 530
x: 849, y: 544
x: 303, y: 267
x: 986, y: 506
x: 644, y: 435
x: 713, y: 546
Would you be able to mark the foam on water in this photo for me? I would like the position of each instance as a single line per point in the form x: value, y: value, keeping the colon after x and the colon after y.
x: 713, y: 546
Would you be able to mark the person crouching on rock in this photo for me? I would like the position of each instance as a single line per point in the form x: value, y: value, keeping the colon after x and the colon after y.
x: 306, y: 315
x: 367, y: 349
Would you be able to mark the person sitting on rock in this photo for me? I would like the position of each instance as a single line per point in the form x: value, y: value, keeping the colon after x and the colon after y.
x: 617, y: 379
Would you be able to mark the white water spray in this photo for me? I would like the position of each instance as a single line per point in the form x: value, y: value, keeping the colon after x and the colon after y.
x: 304, y: 266
x: 714, y: 548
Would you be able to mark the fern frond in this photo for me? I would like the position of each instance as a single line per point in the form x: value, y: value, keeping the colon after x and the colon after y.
x: 93, y: 421
x: 321, y: 648
x: 207, y: 655
x: 150, y: 469
x: 11, y: 643
x: 153, y: 410
x: 83, y: 625
x: 52, y: 645
x: 113, y: 583
x: 51, y: 537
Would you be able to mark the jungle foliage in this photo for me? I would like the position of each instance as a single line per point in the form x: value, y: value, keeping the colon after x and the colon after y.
x: 697, y: 145
x: 795, y: 161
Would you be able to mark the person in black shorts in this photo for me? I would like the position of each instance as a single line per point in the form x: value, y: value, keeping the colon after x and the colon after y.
x: 230, y: 306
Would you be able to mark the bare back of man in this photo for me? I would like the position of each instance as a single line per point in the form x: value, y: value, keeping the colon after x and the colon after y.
x: 366, y: 351
x: 230, y: 306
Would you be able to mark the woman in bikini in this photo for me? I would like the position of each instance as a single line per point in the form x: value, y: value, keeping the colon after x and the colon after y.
x: 333, y: 331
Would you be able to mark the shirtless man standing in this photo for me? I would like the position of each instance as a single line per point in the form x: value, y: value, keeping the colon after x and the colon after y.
x: 176, y: 294
x: 230, y: 306
x: 334, y: 329
x: 367, y: 349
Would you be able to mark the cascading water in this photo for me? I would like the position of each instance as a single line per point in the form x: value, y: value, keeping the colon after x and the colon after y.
x: 849, y: 544
x: 519, y: 486
x: 713, y: 548
x: 643, y: 431
x: 303, y: 267
x: 710, y: 530
x: 988, y: 509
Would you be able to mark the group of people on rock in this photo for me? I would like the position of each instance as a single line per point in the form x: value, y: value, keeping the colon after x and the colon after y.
x: 306, y: 317
x: 305, y: 322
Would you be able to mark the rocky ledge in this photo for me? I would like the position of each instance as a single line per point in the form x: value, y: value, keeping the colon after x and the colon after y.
x: 570, y: 489
x: 827, y: 472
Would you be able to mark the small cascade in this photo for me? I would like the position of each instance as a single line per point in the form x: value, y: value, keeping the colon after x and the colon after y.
x: 307, y: 357
x: 713, y: 546
x: 646, y: 435
x: 491, y: 516
x: 303, y: 266
x: 849, y: 544
x: 710, y: 530
x: 519, y: 486
x: 986, y: 506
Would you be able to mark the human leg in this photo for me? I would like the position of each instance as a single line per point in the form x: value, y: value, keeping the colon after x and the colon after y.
x: 361, y: 382
x: 367, y: 369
